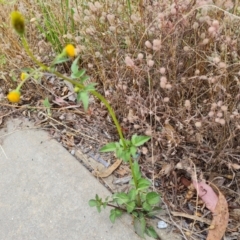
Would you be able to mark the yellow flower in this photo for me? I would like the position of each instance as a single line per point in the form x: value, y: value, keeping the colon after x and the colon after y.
x: 17, y: 21
x: 14, y: 96
x: 23, y: 76
x: 70, y: 50
x: 76, y: 89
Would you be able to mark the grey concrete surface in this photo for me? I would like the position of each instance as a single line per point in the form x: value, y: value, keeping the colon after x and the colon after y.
x: 44, y: 191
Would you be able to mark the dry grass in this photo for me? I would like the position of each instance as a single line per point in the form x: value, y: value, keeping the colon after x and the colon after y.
x: 170, y: 70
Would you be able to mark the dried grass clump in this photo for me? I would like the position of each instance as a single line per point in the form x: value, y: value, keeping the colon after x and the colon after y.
x: 174, y: 64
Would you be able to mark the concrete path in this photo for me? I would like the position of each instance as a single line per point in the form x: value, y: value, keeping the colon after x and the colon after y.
x: 44, y: 191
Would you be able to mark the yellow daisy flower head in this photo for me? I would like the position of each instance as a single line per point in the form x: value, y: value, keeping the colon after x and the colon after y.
x: 23, y: 76
x: 70, y: 50
x: 14, y: 96
x: 18, y: 22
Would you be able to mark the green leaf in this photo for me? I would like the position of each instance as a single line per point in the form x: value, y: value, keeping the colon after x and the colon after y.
x: 153, y: 198
x: 120, y: 198
x: 126, y: 156
x: 132, y: 183
x: 27, y: 69
x: 74, y: 67
x: 112, y: 215
x: 133, y: 138
x: 135, y: 214
x: 140, y: 226
x: 143, y: 196
x: 147, y: 207
x: 154, y: 211
x: 84, y: 78
x: 90, y: 87
x: 60, y: 60
x: 130, y: 206
x: 79, y: 74
x: 83, y: 96
x: 133, y: 150
x: 132, y: 194
x: 104, y: 205
x: 118, y: 212
x: 47, y: 105
x: 139, y: 140
x: 110, y: 147
x: 136, y: 170
x: 151, y: 232
x: 92, y: 203
x: 98, y: 208
x: 127, y: 142
x: 119, y: 152
x: 97, y: 198
x: 143, y: 184
x: 121, y: 142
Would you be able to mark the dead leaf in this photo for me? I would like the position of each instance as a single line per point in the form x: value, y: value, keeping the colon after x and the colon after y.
x: 123, y: 170
x: 152, y: 159
x: 166, y: 169
x: 171, y: 134
x: 185, y: 181
x: 148, y: 132
x: 220, y: 219
x: 130, y: 116
x: 235, y: 166
x: 144, y: 150
x: 107, y: 172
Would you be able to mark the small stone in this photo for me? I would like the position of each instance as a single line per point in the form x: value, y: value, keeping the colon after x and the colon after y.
x: 162, y: 224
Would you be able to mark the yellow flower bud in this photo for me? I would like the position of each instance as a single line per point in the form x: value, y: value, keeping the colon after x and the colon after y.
x: 14, y: 96
x: 23, y: 76
x: 70, y: 50
x: 76, y: 89
x: 17, y: 21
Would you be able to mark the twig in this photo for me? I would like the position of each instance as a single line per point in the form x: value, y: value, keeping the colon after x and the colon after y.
x: 193, y: 217
x: 174, y: 221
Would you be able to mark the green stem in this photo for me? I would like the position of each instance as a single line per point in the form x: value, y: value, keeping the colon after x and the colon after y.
x: 135, y: 182
x: 95, y: 93
x: 26, y: 47
x: 27, y: 78
x: 111, y: 112
x: 81, y: 86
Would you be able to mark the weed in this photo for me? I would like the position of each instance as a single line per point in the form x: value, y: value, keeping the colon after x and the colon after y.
x: 140, y: 202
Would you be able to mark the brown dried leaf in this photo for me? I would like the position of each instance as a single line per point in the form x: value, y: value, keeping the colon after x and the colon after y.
x: 166, y: 169
x: 235, y: 166
x: 123, y: 170
x: 220, y: 219
x: 171, y: 134
x: 144, y: 150
x: 130, y: 116
x: 107, y: 172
